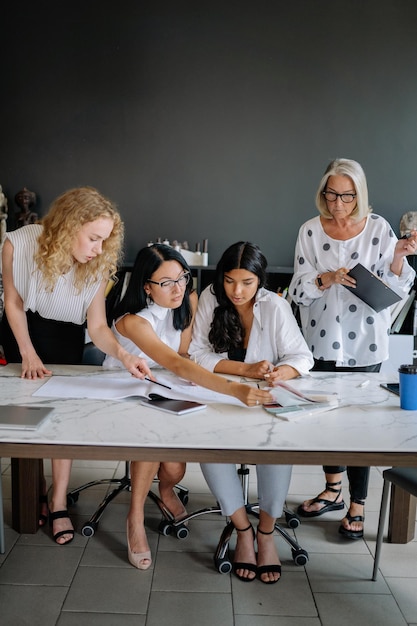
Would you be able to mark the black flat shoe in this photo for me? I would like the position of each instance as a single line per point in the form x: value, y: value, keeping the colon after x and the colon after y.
x: 353, y: 534
x: 61, y: 533
x: 329, y: 505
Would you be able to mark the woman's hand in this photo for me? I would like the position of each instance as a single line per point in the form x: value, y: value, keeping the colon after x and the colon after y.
x: 281, y: 372
x: 406, y: 246
x: 32, y: 367
x: 403, y: 247
x: 251, y: 396
x: 136, y: 366
x: 257, y: 370
x: 338, y: 277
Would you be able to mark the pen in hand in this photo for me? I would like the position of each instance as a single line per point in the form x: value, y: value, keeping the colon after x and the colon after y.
x: 155, y: 382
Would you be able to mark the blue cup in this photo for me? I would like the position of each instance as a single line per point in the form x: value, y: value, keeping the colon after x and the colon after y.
x: 408, y: 387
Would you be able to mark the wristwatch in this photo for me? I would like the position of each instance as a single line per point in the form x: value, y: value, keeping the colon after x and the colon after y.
x: 319, y: 281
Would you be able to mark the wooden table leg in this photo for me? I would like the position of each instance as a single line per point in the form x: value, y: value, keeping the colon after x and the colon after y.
x: 25, y: 495
x: 402, y: 516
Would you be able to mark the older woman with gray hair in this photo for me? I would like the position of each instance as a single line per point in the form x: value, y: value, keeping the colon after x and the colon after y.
x: 344, y: 333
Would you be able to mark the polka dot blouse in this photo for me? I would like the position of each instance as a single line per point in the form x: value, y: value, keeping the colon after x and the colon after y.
x: 336, y: 324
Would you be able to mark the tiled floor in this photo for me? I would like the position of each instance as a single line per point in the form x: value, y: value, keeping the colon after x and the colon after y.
x: 90, y: 582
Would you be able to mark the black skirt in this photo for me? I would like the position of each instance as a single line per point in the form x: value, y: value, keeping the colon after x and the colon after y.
x: 54, y: 342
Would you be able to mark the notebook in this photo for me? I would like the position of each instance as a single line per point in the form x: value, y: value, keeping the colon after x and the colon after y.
x: 371, y: 289
x: 178, y: 407
x: 14, y: 417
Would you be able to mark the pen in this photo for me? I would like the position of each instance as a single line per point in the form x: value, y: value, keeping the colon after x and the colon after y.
x: 155, y: 382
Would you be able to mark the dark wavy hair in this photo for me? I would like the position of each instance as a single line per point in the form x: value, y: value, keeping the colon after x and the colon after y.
x: 226, y: 329
x: 147, y: 261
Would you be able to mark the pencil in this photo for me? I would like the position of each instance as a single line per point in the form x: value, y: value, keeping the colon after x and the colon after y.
x: 155, y: 382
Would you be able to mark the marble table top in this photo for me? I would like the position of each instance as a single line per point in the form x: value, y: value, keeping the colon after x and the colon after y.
x: 368, y: 419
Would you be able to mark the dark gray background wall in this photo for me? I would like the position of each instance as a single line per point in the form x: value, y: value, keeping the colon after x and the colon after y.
x: 209, y: 119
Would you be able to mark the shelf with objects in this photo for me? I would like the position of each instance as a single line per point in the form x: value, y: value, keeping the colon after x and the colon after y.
x: 279, y: 277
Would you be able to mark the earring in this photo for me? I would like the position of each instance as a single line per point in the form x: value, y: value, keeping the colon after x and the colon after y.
x: 149, y: 300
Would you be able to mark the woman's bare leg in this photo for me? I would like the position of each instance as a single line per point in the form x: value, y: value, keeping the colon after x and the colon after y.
x: 169, y: 475
x: 61, y: 470
x: 142, y: 474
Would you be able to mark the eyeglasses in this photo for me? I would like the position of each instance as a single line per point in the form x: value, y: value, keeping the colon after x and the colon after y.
x: 332, y: 196
x: 182, y: 281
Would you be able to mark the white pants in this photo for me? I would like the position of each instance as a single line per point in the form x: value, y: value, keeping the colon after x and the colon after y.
x: 225, y: 485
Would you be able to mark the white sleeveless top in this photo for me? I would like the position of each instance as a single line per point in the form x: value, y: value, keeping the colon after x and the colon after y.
x: 161, y: 319
x: 65, y: 303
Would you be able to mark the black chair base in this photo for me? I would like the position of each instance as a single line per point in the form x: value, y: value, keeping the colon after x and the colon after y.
x: 123, y: 484
x: 221, y: 557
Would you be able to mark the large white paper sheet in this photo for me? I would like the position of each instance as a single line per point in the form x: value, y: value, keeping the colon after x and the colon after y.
x: 105, y: 387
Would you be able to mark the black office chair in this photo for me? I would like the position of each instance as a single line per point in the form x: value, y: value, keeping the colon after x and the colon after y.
x: 221, y: 556
x: 93, y: 356
x: 123, y: 484
x: 405, y: 478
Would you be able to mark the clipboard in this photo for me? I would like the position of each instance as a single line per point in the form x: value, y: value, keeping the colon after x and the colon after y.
x: 371, y: 289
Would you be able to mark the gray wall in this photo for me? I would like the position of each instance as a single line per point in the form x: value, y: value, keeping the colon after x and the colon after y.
x: 209, y: 119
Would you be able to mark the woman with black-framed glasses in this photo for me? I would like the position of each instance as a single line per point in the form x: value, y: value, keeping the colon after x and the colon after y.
x: 154, y: 321
x: 344, y: 333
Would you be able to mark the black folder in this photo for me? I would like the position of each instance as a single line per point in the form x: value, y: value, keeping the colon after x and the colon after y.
x: 371, y: 289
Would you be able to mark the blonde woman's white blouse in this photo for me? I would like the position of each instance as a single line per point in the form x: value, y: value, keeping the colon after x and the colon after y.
x: 65, y: 303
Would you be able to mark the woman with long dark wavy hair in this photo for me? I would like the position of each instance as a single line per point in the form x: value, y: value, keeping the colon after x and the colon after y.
x: 242, y: 328
x: 154, y: 320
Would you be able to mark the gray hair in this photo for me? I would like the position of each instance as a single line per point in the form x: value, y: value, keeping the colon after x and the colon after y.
x: 352, y: 169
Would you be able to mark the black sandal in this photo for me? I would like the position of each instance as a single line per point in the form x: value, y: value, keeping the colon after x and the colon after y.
x: 329, y: 505
x: 266, y: 569
x: 43, y: 499
x: 61, y: 533
x: 353, y: 534
x: 249, y: 566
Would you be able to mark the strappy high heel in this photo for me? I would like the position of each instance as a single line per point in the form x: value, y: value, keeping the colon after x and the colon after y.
x: 329, y: 505
x: 274, y: 568
x: 70, y: 531
x: 353, y: 534
x: 248, y: 566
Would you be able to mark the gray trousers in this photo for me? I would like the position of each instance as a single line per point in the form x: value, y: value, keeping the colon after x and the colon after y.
x: 224, y: 482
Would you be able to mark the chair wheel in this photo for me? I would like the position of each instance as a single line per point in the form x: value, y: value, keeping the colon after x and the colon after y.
x: 72, y: 498
x: 165, y: 528
x: 183, y: 497
x: 181, y: 532
x: 292, y: 520
x: 224, y: 566
x: 300, y: 556
x: 89, y: 529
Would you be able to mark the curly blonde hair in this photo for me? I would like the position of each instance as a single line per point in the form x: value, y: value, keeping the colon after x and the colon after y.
x: 67, y: 214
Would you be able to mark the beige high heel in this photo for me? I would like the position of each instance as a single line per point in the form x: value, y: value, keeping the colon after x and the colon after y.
x: 137, y: 558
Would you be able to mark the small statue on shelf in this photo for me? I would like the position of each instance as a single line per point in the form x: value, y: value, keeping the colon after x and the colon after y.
x: 25, y: 200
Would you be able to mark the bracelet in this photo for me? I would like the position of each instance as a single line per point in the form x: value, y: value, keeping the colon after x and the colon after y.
x: 319, y: 281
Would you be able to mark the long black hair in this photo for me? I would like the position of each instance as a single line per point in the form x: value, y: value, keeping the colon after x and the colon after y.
x: 147, y: 261
x: 226, y: 329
